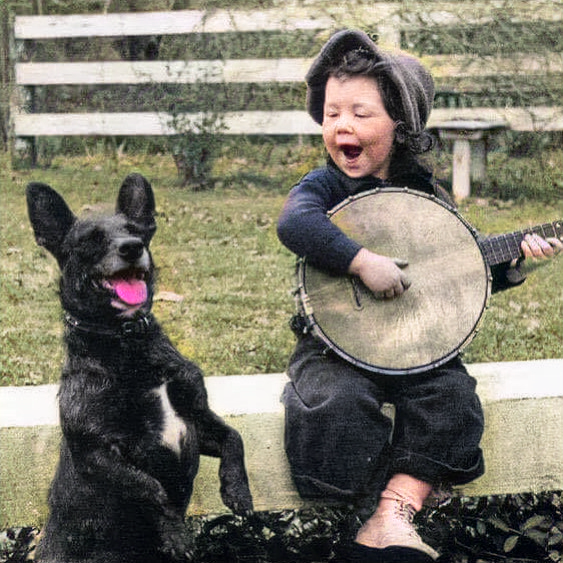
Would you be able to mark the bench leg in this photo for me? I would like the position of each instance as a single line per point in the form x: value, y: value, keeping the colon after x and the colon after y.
x: 461, y: 168
x: 479, y: 161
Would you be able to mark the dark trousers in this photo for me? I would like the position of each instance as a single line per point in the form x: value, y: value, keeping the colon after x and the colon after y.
x: 340, y: 444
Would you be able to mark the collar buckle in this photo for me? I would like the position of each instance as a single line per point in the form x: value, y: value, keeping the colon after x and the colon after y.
x: 135, y: 328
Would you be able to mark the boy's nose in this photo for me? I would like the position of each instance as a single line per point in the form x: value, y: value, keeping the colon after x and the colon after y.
x: 344, y: 125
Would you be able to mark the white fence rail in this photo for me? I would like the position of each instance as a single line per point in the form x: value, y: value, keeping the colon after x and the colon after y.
x: 293, y: 16
x: 256, y: 122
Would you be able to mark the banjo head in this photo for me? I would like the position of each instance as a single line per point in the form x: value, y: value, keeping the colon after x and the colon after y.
x: 434, y: 319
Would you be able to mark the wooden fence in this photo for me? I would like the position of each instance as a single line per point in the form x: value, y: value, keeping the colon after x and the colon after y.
x: 389, y: 20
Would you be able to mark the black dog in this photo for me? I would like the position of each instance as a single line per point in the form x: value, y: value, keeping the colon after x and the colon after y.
x: 133, y: 411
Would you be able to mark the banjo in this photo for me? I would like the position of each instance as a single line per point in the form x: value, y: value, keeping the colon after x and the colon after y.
x: 448, y: 265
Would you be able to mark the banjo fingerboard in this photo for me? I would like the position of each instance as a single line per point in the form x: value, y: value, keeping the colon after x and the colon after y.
x: 504, y: 248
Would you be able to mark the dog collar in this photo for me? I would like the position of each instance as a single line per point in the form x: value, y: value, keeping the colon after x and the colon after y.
x: 132, y: 328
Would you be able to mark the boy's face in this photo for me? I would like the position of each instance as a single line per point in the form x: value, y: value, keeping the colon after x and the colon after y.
x: 357, y: 131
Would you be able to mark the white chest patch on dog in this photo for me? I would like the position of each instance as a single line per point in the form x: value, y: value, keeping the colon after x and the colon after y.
x: 173, y: 427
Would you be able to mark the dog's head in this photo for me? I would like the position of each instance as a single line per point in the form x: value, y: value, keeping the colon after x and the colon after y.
x: 107, y: 270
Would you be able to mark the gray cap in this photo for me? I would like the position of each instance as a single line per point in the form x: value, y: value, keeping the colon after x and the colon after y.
x: 412, y: 80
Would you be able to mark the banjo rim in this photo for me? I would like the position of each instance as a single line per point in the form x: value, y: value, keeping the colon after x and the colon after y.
x: 315, y: 328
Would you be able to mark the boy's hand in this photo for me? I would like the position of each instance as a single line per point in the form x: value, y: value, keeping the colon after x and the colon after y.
x: 380, y: 274
x: 534, y: 246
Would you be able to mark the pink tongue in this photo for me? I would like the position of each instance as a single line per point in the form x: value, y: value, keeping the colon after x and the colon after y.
x: 132, y: 292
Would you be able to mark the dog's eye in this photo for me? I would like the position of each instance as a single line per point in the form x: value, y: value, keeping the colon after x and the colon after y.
x: 143, y: 231
x: 134, y: 230
x: 95, y: 237
x: 91, y: 241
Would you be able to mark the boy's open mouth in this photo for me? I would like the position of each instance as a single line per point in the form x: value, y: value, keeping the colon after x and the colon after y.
x: 351, y: 151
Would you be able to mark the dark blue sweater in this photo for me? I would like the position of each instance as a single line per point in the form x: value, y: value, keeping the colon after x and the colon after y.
x: 306, y: 230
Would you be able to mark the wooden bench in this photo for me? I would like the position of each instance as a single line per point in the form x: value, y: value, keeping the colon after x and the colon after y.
x: 470, y: 138
x: 388, y: 21
x: 523, y: 403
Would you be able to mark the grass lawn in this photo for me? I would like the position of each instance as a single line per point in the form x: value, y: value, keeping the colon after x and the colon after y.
x: 224, y: 279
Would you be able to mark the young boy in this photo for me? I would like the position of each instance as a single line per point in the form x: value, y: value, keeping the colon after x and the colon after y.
x: 373, y: 107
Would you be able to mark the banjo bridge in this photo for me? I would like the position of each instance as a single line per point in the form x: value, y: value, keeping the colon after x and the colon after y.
x: 356, y: 286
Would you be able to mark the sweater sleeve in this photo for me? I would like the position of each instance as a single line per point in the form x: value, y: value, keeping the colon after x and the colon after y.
x: 505, y: 276
x: 305, y: 229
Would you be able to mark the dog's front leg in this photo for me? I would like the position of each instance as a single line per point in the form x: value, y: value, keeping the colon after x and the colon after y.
x: 217, y: 439
x: 110, y: 469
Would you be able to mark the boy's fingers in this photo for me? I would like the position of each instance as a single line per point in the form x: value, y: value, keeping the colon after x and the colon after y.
x: 535, y: 246
x: 400, y: 262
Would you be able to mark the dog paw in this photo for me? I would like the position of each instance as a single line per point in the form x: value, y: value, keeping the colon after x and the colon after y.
x: 239, y: 500
x: 177, y: 553
x: 175, y: 543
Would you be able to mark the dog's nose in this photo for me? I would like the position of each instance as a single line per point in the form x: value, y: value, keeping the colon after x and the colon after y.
x: 131, y: 249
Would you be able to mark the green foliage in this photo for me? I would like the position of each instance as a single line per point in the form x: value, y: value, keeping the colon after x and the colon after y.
x: 16, y: 544
x: 195, y: 148
x: 521, y: 528
x: 276, y: 537
x: 524, y: 528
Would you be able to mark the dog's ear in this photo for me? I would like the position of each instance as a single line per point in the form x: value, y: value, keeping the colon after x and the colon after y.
x: 136, y: 202
x: 50, y: 217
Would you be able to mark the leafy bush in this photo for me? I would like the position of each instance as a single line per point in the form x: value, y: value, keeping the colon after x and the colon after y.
x: 195, y: 148
x: 518, y: 528
x: 523, y: 528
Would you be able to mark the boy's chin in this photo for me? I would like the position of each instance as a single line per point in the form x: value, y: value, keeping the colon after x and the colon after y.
x: 356, y: 170
x: 353, y: 171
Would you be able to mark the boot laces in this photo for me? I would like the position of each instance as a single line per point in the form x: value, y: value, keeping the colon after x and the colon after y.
x: 400, y: 529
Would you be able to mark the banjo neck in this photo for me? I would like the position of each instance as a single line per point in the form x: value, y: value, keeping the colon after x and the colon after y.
x: 504, y: 248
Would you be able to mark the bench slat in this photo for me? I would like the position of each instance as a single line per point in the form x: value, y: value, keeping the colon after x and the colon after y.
x: 535, y: 118
x: 523, y: 404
